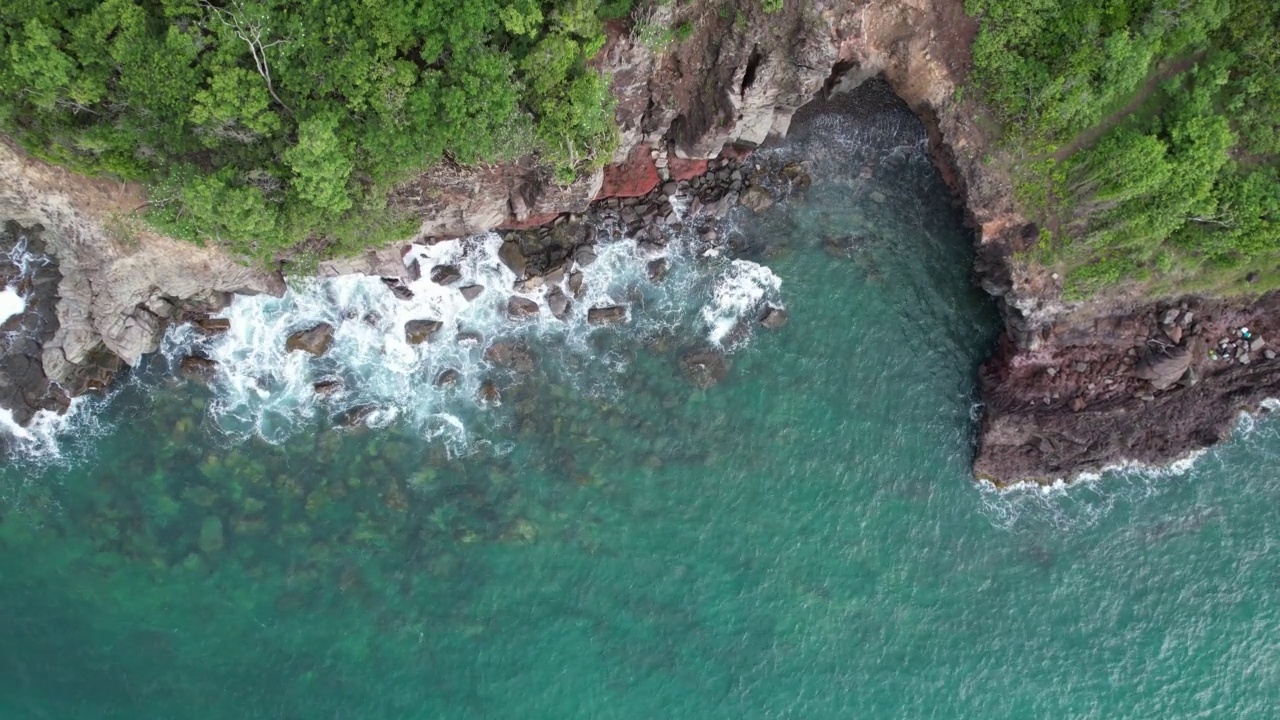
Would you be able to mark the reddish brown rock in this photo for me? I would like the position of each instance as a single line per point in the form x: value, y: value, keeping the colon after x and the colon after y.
x: 682, y: 169
x: 634, y: 177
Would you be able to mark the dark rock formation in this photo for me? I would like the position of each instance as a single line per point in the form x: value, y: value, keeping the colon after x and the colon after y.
x: 609, y: 315
x: 705, y: 367
x: 520, y: 308
x: 417, y: 332
x: 773, y: 318
x: 315, y: 340
x: 200, y: 369
x: 445, y: 274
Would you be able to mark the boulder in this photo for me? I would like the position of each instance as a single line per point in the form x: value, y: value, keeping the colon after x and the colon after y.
x: 773, y: 317
x: 200, y: 369
x: 529, y: 284
x: 513, y: 257
x: 445, y: 274
x: 1163, y: 369
x: 490, y: 395
x: 796, y: 174
x: 658, y: 270
x: 554, y: 275
x: 1077, y: 404
x: 353, y: 417
x: 558, y: 303
x: 510, y: 355
x: 584, y: 256
x: 576, y: 287
x: 325, y: 388
x: 448, y: 378
x: 756, y: 198
x: 521, y: 308
x: 417, y: 332
x: 471, y: 292
x: 1257, y: 344
x: 316, y: 340
x: 704, y: 368
x: 1190, y: 378
x: 608, y: 315
x: 398, y: 288
x: 212, y: 326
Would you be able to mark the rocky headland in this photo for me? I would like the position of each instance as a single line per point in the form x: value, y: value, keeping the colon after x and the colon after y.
x: 1071, y: 387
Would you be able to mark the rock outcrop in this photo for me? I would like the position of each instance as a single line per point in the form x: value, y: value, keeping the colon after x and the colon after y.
x: 120, y: 282
x: 1070, y: 388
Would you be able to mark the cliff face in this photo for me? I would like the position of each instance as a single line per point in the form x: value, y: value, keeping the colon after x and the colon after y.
x: 1062, y: 393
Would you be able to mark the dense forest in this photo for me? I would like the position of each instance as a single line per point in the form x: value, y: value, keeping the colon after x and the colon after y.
x: 263, y: 123
x: 1144, y: 135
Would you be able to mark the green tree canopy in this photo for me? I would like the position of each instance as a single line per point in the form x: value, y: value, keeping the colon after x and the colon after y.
x: 262, y: 123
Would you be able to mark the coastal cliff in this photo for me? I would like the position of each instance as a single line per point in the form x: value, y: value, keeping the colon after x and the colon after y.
x: 1072, y: 387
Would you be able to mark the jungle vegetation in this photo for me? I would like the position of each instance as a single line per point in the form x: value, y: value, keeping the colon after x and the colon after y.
x: 1145, y: 136
x: 266, y: 124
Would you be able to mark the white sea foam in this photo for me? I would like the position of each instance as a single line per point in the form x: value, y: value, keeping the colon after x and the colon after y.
x: 11, y: 304
x: 262, y: 390
x: 45, y: 438
x: 739, y: 291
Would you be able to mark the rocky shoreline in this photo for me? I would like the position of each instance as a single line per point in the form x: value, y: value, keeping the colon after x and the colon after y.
x: 1069, y: 388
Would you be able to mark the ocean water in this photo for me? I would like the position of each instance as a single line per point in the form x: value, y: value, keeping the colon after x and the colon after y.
x: 801, y: 540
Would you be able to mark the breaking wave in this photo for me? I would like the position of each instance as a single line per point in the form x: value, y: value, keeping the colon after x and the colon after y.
x: 373, y: 374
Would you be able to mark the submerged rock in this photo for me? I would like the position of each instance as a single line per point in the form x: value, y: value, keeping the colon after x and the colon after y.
x: 417, y: 332
x: 468, y: 337
x: 773, y: 318
x: 490, y: 395
x: 356, y: 416
x: 705, y: 368
x: 608, y: 315
x: 447, y: 378
x: 316, y: 340
x: 211, y: 539
x: 658, y: 270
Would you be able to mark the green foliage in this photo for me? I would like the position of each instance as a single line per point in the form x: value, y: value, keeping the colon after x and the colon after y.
x: 265, y: 123
x: 1156, y: 126
x: 771, y: 6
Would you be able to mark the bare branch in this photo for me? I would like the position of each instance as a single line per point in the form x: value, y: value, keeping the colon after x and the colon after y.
x: 251, y: 33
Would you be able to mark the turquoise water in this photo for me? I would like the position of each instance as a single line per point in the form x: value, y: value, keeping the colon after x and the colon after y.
x: 802, y: 540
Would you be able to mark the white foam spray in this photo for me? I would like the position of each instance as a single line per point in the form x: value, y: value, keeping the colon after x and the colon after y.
x: 265, y: 391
